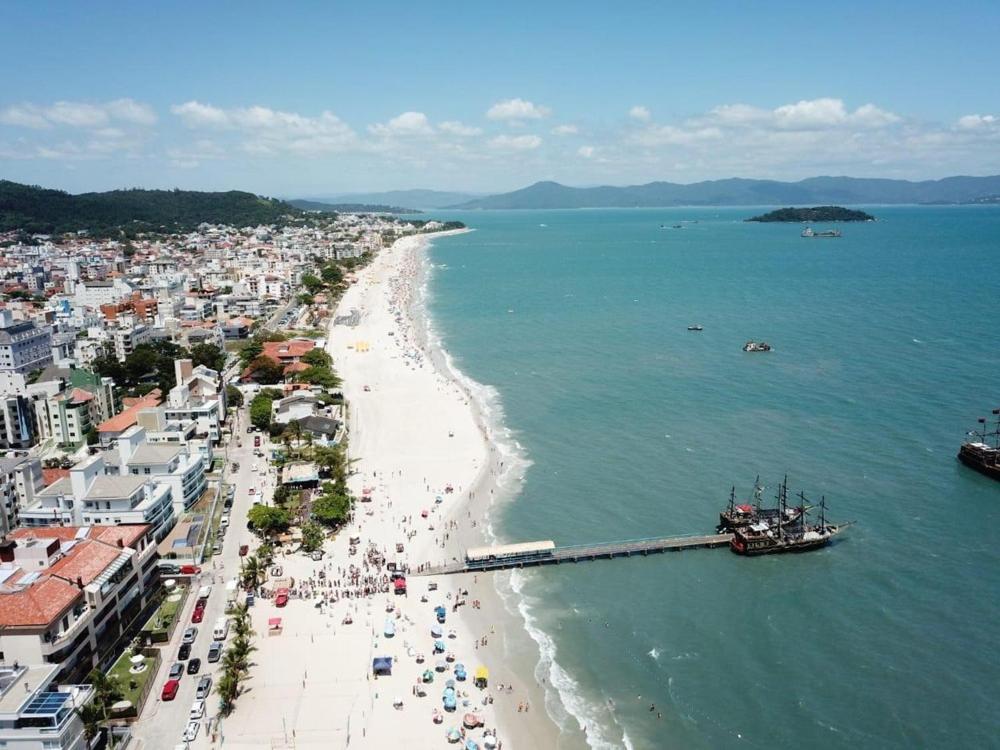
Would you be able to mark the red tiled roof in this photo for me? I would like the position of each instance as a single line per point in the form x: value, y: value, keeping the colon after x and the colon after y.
x: 127, y: 417
x: 296, y: 367
x: 41, y: 603
x: 87, y: 560
x: 278, y: 350
x: 128, y: 533
x: 81, y: 396
x: 50, y: 476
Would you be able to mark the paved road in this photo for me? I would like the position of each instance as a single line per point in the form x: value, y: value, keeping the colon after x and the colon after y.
x: 162, y: 723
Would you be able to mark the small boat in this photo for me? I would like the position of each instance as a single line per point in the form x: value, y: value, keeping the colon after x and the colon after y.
x: 678, y: 226
x: 978, y: 454
x: 756, y: 346
x: 808, y: 232
x: 695, y: 327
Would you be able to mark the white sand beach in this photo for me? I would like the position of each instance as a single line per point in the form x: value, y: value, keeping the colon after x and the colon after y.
x: 414, y: 434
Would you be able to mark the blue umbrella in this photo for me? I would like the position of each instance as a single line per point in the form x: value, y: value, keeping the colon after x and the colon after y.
x: 439, y: 646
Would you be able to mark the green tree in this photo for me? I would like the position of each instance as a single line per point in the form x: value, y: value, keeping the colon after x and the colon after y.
x: 260, y: 411
x: 265, y: 370
x: 305, y: 298
x: 253, y: 349
x: 321, y: 376
x: 234, y: 396
x: 312, y: 536
x: 332, y: 275
x: 92, y: 716
x: 252, y: 573
x: 318, y: 357
x: 268, y: 520
x: 209, y: 355
x: 312, y: 283
x: 227, y: 688
x: 332, y: 509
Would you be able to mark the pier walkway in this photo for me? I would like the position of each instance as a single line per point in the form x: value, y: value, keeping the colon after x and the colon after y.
x: 583, y: 552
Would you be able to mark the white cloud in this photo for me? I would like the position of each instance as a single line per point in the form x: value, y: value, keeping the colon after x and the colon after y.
x: 670, y: 135
x: 456, y: 128
x: 640, y: 113
x: 587, y: 152
x: 517, y: 109
x: 269, y: 131
x: 78, y: 114
x: 23, y: 116
x: 565, y: 130
x: 408, y: 123
x: 516, y: 143
x: 195, y: 115
x: 807, y: 114
x: 978, y: 122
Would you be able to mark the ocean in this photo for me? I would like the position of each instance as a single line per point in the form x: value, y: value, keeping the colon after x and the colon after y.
x: 886, y: 350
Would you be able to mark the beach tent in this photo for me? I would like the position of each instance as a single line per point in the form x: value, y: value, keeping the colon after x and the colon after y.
x: 382, y: 665
x: 482, y: 677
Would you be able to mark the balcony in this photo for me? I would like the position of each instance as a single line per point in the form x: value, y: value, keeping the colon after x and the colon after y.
x: 63, y: 638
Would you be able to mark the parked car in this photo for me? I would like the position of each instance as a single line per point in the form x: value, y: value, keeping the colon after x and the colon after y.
x: 184, y: 652
x: 197, y: 710
x: 281, y: 598
x: 189, y: 570
x: 217, y: 548
x: 191, y: 731
x: 204, y: 688
x: 176, y: 671
x: 198, y: 614
x: 169, y: 691
x: 189, y: 635
x: 223, y: 522
x: 194, y: 666
x: 214, y: 651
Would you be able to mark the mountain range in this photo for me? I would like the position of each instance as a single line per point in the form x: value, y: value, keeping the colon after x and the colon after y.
x: 413, y: 198
x: 744, y: 192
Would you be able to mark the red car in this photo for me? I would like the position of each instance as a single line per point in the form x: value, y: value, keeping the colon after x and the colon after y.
x: 170, y: 690
x: 190, y: 570
x: 281, y: 598
x: 199, y: 614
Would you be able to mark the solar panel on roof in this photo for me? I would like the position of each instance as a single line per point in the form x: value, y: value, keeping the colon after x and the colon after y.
x: 46, y: 704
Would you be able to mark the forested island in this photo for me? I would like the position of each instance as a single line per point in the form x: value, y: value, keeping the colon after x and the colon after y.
x: 814, y: 215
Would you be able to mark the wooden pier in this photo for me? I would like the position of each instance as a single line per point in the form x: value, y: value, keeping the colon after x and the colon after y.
x: 583, y: 553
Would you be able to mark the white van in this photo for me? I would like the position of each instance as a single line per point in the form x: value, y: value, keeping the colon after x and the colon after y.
x: 204, y: 592
x: 221, y: 629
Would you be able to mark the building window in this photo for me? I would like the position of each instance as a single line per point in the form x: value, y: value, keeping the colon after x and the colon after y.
x: 145, y: 470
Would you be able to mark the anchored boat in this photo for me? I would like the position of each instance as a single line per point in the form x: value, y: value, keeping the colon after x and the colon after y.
x: 742, y: 515
x: 978, y: 454
x: 765, y: 537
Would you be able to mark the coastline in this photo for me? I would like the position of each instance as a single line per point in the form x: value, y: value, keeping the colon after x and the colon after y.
x: 397, y: 277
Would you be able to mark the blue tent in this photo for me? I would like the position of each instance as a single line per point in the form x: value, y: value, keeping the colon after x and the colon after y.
x: 382, y: 665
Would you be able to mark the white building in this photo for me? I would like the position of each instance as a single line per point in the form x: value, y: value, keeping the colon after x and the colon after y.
x: 24, y: 347
x: 20, y: 479
x: 96, y: 293
x: 173, y: 463
x: 36, y: 714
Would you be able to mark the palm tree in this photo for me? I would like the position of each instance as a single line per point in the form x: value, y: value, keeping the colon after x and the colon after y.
x: 295, y: 427
x: 253, y: 571
x: 92, y: 716
x: 107, y: 690
x: 227, y: 687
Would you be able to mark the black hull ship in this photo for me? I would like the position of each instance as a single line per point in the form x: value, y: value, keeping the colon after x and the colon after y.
x: 767, y: 538
x: 978, y: 454
x: 742, y: 515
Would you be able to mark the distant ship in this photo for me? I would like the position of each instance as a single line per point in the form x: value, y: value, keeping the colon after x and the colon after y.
x: 695, y: 327
x: 978, y: 454
x: 765, y: 537
x: 756, y: 346
x: 742, y: 515
x: 808, y: 232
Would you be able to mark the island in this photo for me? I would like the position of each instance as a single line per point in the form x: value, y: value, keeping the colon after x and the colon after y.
x: 814, y: 215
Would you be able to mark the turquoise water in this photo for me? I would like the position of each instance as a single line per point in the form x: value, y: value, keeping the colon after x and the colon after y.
x: 886, y: 349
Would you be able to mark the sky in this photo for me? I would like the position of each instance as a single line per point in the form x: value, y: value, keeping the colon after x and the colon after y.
x: 302, y: 99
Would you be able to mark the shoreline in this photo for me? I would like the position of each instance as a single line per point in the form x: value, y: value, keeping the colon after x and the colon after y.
x: 401, y: 273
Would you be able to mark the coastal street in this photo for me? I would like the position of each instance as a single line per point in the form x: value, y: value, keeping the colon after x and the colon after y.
x: 163, y: 722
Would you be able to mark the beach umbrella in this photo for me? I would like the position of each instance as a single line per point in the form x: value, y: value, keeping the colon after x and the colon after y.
x: 450, y: 684
x: 489, y: 741
x: 428, y: 676
x: 471, y: 721
x: 439, y: 645
x: 459, y: 666
x: 436, y: 631
x: 454, y: 735
x: 471, y: 745
x: 137, y: 659
x: 441, y: 666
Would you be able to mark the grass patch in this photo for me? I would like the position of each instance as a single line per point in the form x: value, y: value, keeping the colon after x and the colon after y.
x: 132, y: 685
x: 161, y: 620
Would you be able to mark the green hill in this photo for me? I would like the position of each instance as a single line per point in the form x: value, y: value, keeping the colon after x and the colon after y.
x: 39, y: 210
x: 350, y: 208
x: 819, y: 213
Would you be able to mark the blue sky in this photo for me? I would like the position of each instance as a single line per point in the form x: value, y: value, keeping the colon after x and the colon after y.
x: 319, y: 98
